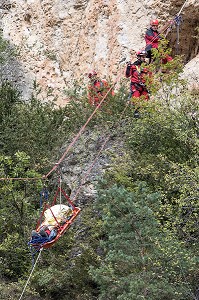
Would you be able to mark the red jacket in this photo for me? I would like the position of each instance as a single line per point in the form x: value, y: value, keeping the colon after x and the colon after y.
x: 97, y: 91
x: 137, y: 73
x: 47, y: 231
x: 152, y: 38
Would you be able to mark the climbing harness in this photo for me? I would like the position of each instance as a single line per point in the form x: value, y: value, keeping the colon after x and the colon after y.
x: 96, y: 90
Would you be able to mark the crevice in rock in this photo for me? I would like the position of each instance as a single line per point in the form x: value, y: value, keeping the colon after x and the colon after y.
x: 188, y: 35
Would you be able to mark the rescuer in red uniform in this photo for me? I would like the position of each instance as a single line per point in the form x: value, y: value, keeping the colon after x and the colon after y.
x: 97, y: 89
x: 152, y: 38
x: 138, y: 71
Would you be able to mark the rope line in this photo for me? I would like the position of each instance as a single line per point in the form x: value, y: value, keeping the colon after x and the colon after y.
x: 98, y: 154
x: 182, y: 8
x: 170, y: 23
x: 91, y: 116
x: 82, y: 129
x: 30, y: 274
x: 19, y: 178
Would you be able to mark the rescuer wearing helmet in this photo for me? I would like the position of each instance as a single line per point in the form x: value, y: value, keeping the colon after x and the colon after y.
x: 152, y: 37
x: 97, y: 88
x: 138, y: 72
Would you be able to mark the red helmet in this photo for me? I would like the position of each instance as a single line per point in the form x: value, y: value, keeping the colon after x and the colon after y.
x: 92, y: 73
x: 154, y: 22
x: 141, y: 53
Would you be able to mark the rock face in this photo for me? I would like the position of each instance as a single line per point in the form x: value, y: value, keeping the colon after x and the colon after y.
x: 59, y: 40
x: 191, y: 72
x: 81, y: 168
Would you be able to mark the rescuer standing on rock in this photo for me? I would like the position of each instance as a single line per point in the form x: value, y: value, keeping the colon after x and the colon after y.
x: 138, y: 73
x: 152, y: 38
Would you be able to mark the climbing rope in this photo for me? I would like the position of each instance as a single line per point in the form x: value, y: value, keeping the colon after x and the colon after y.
x: 19, y: 178
x: 30, y: 274
x: 182, y: 7
x: 176, y: 20
x: 41, y: 205
x: 115, y: 125
x: 82, y: 128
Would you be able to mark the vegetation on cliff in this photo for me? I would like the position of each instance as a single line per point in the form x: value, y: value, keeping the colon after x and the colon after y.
x: 138, y: 239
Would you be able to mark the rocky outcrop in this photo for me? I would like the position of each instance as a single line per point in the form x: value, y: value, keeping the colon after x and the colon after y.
x: 191, y: 73
x: 59, y: 41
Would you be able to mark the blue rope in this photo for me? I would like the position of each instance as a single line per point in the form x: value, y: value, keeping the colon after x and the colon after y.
x: 178, y: 21
x: 45, y: 193
x: 33, y: 252
x: 41, y: 204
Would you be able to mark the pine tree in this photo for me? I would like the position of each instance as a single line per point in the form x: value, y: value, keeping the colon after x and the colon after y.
x: 141, y: 260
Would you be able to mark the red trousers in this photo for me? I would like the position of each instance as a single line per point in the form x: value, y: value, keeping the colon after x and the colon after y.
x: 138, y: 91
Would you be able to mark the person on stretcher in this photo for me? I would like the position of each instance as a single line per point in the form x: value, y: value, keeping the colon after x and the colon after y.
x: 54, y: 217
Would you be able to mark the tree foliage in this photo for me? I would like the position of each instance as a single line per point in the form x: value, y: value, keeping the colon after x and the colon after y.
x: 138, y: 239
x: 142, y: 259
x: 16, y: 209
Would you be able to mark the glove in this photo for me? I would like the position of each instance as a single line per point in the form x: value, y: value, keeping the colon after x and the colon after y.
x: 129, y: 63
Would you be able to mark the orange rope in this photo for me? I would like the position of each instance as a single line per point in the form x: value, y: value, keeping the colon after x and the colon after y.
x: 82, y: 128
x: 98, y: 154
x: 74, y: 140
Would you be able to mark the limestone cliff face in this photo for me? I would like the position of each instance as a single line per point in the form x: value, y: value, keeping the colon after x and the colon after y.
x: 61, y: 40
